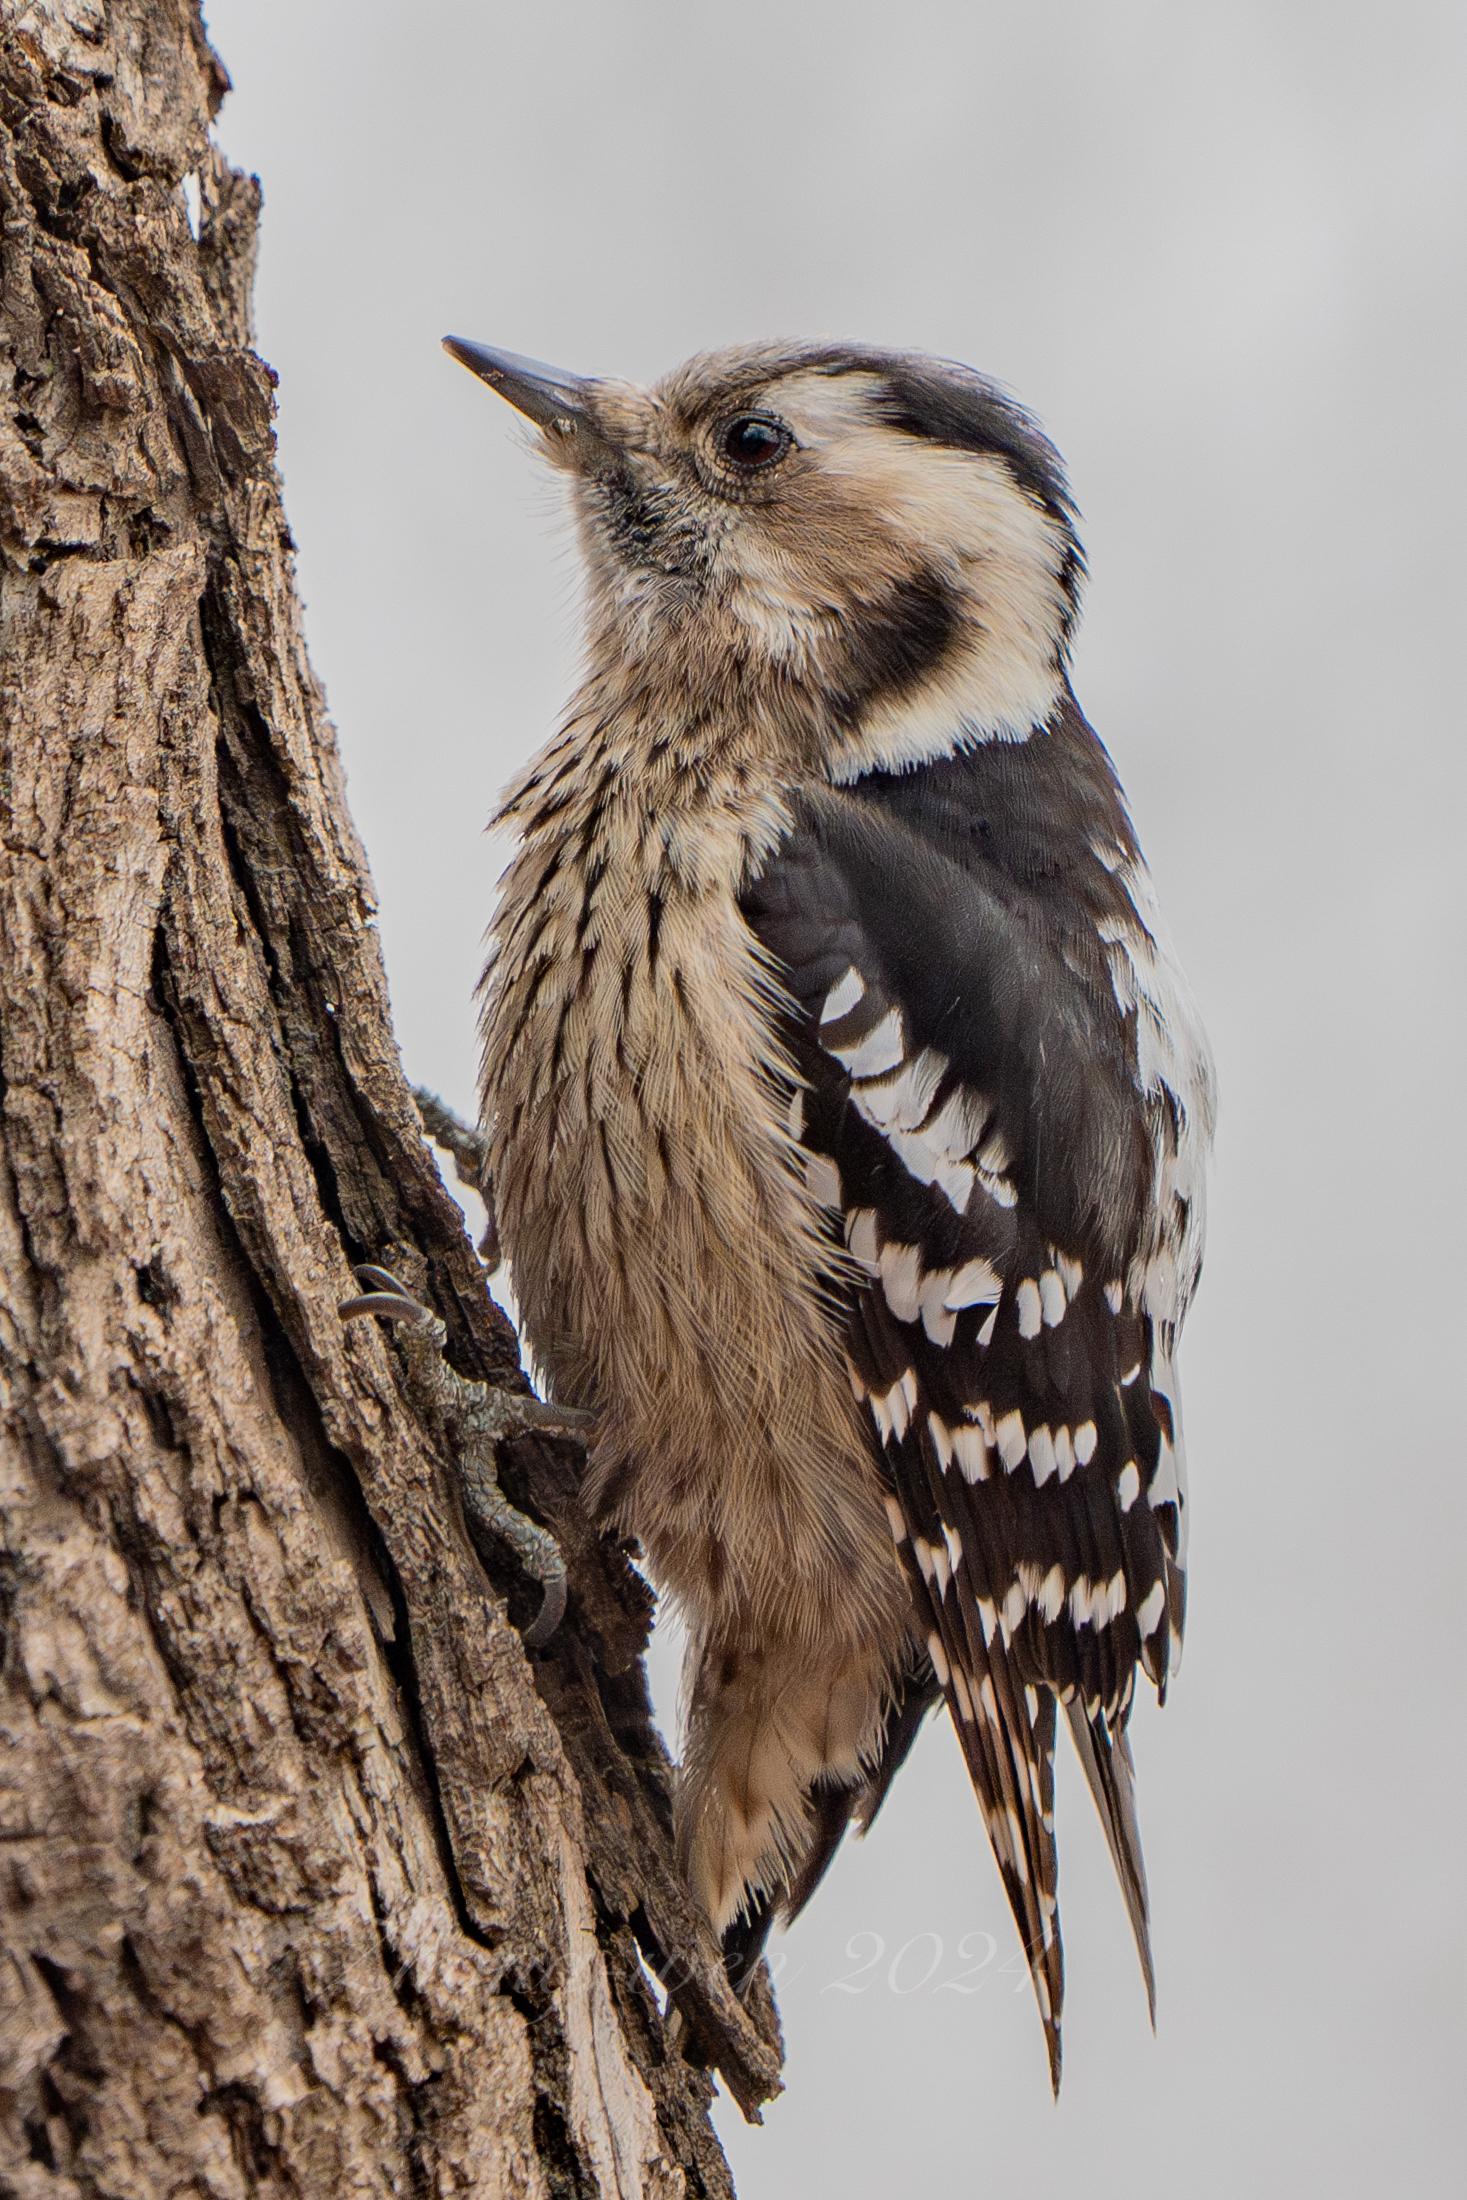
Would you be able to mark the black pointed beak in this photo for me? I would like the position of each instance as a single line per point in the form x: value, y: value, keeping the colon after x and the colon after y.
x: 546, y: 395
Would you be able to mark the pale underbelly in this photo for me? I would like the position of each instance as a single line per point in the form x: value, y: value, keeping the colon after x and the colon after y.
x: 729, y: 1442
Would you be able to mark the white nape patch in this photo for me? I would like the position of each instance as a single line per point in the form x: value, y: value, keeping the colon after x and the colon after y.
x: 1009, y: 1436
x: 938, y: 1656
x: 896, y: 1520
x: 1041, y: 1453
x: 1064, y: 1452
x: 1026, y: 1304
x: 976, y: 1283
x: 900, y: 1268
x: 880, y: 1050
x: 861, y: 1238
x: 1052, y: 1300
x: 1086, y: 1439
x: 1150, y: 1609
x: 843, y: 996
x: 1115, y: 1295
x: 1128, y: 1485
x: 823, y: 1179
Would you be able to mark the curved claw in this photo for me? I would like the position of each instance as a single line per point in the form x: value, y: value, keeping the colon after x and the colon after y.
x: 381, y: 1279
x: 552, y: 1611
x: 474, y: 1418
x: 387, y: 1297
x: 389, y: 1306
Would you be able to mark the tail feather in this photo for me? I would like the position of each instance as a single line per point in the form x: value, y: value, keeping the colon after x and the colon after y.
x: 1007, y: 1735
x: 1110, y: 1771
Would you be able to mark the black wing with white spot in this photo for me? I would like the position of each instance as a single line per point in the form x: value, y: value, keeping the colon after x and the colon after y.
x: 975, y: 1119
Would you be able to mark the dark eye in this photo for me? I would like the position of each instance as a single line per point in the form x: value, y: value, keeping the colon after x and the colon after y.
x: 753, y: 440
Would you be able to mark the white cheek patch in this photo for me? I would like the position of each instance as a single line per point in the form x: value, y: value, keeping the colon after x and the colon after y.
x: 1004, y: 557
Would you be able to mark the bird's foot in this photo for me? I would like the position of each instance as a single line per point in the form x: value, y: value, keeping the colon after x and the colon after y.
x: 473, y: 1420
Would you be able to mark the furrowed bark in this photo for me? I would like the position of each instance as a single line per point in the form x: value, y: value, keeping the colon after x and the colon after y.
x: 311, y: 1881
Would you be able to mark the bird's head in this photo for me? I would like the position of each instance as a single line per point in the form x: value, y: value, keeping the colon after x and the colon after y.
x: 886, y: 532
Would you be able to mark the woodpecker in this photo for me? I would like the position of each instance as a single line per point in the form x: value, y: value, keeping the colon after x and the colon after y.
x: 846, y: 1108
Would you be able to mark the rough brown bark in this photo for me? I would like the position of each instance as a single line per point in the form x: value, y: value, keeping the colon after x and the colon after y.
x: 311, y: 1881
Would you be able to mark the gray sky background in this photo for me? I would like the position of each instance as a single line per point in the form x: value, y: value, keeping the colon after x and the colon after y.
x: 1220, y: 249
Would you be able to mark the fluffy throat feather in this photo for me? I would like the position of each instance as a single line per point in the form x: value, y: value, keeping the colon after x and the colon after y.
x: 916, y: 681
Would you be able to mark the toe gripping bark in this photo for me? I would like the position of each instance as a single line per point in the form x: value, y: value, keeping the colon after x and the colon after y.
x: 473, y: 1419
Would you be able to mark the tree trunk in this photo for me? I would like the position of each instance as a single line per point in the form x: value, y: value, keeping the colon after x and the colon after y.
x: 312, y: 1882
